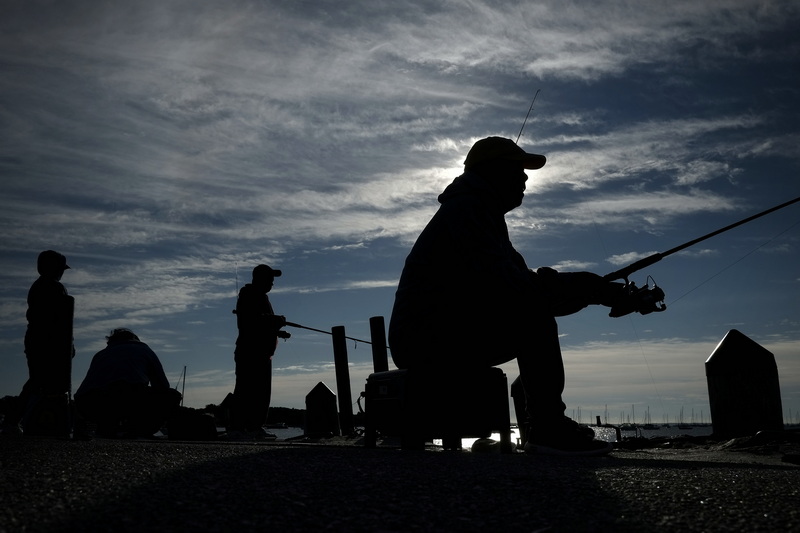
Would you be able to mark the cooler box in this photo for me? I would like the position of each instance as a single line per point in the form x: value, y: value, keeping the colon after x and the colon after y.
x: 420, y: 406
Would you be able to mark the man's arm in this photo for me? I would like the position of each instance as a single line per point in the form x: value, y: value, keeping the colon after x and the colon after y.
x: 155, y: 372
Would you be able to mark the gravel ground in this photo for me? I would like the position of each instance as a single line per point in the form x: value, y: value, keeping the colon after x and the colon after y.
x: 337, y: 485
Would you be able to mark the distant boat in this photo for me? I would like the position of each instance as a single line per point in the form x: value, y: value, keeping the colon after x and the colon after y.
x: 682, y: 424
x: 648, y: 423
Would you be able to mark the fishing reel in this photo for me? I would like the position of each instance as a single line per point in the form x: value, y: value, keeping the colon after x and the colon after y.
x: 642, y: 300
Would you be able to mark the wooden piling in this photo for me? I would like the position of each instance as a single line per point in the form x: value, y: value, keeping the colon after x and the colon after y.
x: 343, y: 380
x: 377, y: 331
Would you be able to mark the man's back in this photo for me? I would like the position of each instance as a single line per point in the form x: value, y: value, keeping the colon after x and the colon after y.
x: 462, y: 269
x: 256, y: 321
x: 131, y: 362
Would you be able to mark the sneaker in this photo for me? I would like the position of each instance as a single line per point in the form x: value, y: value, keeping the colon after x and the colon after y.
x: 566, y: 438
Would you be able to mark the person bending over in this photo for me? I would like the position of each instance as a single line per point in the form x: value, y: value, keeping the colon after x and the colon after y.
x: 125, y: 391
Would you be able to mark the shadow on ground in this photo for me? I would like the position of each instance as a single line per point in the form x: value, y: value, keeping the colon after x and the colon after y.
x: 106, y: 485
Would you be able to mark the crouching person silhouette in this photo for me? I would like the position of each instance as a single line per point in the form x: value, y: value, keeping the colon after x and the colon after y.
x: 125, y: 391
x: 463, y: 278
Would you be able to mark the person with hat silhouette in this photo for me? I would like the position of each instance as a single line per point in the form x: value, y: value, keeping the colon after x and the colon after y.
x: 49, y: 347
x: 259, y: 331
x: 463, y: 278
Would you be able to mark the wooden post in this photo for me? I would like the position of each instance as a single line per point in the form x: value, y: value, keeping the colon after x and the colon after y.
x: 377, y: 331
x: 343, y: 380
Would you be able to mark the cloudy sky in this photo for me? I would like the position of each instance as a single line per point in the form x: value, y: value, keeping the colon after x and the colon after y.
x: 166, y: 147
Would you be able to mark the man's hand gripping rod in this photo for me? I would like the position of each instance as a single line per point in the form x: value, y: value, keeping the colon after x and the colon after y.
x: 648, y: 299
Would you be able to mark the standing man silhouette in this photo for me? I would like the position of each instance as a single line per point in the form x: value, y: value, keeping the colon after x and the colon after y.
x: 48, y: 349
x: 259, y: 331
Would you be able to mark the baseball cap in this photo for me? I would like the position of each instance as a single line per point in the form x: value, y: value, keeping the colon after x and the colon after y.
x: 261, y: 270
x: 502, y: 148
x: 51, y: 261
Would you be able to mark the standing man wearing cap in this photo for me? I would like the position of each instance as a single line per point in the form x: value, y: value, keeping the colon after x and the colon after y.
x: 463, y: 278
x: 259, y: 331
x: 48, y: 344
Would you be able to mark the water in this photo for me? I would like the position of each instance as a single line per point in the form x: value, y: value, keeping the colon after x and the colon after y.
x: 286, y: 433
x: 602, y: 433
x: 610, y: 434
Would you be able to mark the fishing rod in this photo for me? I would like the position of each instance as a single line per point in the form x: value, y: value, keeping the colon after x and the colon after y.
x: 623, y: 273
x: 293, y: 325
x: 526, y: 116
x: 285, y: 334
x: 649, y: 299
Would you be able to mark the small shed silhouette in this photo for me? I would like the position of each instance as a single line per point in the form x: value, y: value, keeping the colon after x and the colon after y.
x: 743, y: 388
x: 322, y: 417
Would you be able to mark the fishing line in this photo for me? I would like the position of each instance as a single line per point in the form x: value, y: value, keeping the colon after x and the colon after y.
x: 623, y: 273
x: 647, y: 364
x: 745, y: 256
x: 633, y: 326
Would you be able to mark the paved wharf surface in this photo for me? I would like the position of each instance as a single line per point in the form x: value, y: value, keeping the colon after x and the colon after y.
x: 338, y: 485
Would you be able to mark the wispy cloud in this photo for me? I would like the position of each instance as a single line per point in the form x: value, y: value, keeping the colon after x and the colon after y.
x: 168, y: 147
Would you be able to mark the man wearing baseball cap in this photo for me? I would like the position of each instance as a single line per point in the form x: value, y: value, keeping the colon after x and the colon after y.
x: 259, y: 330
x: 466, y: 297
x: 49, y: 350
